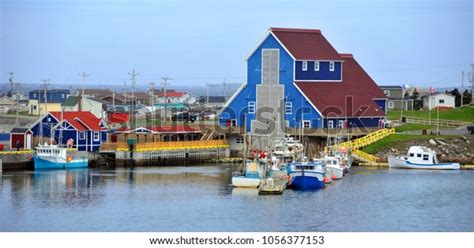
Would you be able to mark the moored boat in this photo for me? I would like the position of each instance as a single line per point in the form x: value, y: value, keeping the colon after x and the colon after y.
x: 57, y: 157
x: 420, y: 157
x: 307, y: 175
x: 334, y: 167
x: 251, y: 176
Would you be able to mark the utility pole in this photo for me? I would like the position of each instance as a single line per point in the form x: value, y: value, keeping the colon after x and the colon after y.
x: 165, y: 85
x: 224, y: 84
x: 152, y: 103
x: 125, y: 92
x: 207, y: 94
x: 133, y: 75
x: 462, y: 88
x: 83, y: 75
x: 472, y: 84
x: 45, y: 87
x: 14, y: 86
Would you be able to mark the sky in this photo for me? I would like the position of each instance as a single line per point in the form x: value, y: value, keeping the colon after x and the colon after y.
x: 419, y: 43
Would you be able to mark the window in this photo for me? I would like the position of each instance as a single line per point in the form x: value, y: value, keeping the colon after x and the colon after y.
x: 82, y: 135
x: 62, y: 95
x: 288, y: 108
x: 251, y: 107
x: 305, y: 65
x: 425, y: 156
x: 412, y: 155
x: 49, y: 119
x: 386, y: 92
x: 316, y: 65
x: 341, y: 124
x: 391, y: 104
x: 96, y: 136
x: 233, y: 122
x: 34, y: 95
x: 239, y: 140
x: 418, y: 155
x: 306, y: 124
x: 441, y: 101
x: 330, y: 124
x: 331, y: 66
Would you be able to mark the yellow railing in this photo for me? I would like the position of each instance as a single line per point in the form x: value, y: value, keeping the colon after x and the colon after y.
x: 368, y: 139
x: 168, y: 145
x: 364, y: 156
x: 177, y: 145
x: 10, y: 152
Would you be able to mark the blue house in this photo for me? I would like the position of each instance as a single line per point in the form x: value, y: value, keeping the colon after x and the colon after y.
x: 84, y: 129
x: 40, y: 102
x: 295, y: 78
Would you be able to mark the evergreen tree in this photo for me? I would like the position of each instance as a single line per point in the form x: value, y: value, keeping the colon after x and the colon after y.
x: 417, y: 103
x: 457, y: 95
x: 466, y: 97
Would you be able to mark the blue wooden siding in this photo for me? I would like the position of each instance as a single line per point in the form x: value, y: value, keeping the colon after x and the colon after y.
x: 355, y: 122
x: 323, y: 74
x: 56, y: 96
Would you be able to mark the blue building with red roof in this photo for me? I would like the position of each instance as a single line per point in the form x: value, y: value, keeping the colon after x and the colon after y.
x: 295, y: 78
x: 84, y: 129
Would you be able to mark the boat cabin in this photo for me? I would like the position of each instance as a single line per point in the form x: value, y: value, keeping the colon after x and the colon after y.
x: 421, y: 155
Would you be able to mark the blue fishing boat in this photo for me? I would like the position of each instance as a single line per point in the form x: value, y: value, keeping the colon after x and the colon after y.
x: 307, y: 175
x: 56, y: 157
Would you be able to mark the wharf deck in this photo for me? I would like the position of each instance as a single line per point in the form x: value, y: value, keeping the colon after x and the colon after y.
x: 272, y: 187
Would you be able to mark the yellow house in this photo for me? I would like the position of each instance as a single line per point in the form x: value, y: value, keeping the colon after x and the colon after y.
x: 36, y: 108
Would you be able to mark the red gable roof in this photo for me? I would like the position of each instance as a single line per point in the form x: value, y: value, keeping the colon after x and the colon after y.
x: 81, y: 120
x: 356, y: 84
x: 172, y: 94
x: 306, y: 44
x: 163, y: 129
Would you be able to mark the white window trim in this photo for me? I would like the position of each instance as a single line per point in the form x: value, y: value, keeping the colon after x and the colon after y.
x: 304, y: 65
x: 82, y: 135
x: 251, y: 107
x: 98, y: 136
x: 391, y: 105
x: 308, y: 122
x: 340, y: 124
x: 288, y: 105
x: 316, y: 65
x: 233, y: 122
x: 332, y: 66
x: 387, y: 92
x: 330, y: 124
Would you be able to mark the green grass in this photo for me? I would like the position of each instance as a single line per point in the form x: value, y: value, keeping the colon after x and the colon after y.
x: 413, y: 127
x: 394, y: 139
x: 458, y: 114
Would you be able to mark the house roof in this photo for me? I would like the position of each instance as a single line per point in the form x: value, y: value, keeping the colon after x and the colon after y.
x: 306, y: 44
x: 162, y: 129
x: 390, y: 87
x: 80, y: 120
x: 19, y: 130
x: 5, y: 100
x: 212, y: 99
x: 71, y: 101
x: 330, y: 97
x: 95, y: 92
x: 171, y: 94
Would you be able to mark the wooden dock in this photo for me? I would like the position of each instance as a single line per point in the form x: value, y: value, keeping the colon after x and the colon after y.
x: 272, y: 187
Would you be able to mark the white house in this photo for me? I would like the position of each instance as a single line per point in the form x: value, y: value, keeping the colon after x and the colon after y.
x: 72, y: 104
x: 175, y: 97
x: 438, y: 100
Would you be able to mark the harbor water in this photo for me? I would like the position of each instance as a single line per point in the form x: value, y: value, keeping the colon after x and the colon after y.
x: 200, y: 198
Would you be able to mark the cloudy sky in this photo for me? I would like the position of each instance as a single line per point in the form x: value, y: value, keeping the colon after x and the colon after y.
x: 196, y: 42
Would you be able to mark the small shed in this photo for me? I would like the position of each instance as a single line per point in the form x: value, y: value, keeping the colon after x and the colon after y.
x: 22, y: 136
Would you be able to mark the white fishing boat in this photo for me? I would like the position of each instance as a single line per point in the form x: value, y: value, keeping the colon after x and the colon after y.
x: 56, y: 157
x: 420, y: 157
x: 251, y: 176
x: 334, y: 167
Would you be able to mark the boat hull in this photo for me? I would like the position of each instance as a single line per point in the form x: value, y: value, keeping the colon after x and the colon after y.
x: 245, y: 182
x: 306, y: 180
x: 52, y: 163
x: 337, y: 172
x: 397, y: 162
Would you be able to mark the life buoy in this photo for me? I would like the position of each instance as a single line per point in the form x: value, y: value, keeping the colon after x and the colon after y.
x: 68, y: 159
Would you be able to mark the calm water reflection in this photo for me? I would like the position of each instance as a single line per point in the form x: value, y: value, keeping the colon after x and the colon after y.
x: 200, y: 198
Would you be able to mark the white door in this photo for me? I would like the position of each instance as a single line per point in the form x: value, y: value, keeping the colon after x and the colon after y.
x: 28, y: 141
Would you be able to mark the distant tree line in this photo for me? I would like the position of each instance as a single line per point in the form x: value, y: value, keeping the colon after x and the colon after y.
x: 457, y: 101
